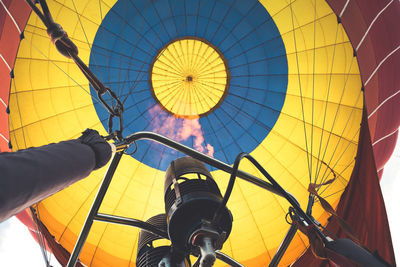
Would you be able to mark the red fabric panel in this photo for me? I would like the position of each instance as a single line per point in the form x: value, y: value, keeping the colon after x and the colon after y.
x: 3, y: 130
x: 3, y: 14
x: 4, y: 86
x: 25, y: 217
x: 362, y: 206
x: 4, y: 83
x: 382, y: 39
x: 388, y: 79
x: 3, y: 146
x: 9, y: 39
x: 20, y: 11
x: 9, y: 42
x: 385, y: 83
x: 337, y: 5
x: 360, y: 12
x: 384, y: 33
x: 384, y: 149
x: 386, y: 120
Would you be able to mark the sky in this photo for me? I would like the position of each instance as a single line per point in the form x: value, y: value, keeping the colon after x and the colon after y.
x: 18, y: 248
x: 390, y: 185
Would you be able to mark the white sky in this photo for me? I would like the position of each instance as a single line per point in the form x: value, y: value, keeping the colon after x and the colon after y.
x: 390, y: 185
x: 18, y: 248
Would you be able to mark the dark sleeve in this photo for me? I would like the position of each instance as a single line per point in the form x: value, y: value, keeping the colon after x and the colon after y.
x: 30, y: 175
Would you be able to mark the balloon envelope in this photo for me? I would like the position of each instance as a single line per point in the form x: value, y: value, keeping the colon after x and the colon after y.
x: 278, y: 80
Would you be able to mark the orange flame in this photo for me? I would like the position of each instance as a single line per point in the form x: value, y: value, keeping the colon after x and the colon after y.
x: 180, y: 129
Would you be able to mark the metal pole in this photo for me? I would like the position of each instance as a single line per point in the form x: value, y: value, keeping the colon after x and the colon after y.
x: 225, y: 258
x: 93, y: 213
x: 310, y: 204
x: 94, y: 209
x: 284, y: 245
x: 150, y: 228
x: 202, y: 157
x: 276, y: 189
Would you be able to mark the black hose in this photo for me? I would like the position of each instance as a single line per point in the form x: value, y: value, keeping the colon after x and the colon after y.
x: 232, y: 179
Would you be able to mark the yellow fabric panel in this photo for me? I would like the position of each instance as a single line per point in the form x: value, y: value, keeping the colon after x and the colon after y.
x: 189, y: 78
x: 50, y: 102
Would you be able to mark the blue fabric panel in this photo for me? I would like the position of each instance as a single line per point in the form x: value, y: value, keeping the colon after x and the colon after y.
x: 133, y: 32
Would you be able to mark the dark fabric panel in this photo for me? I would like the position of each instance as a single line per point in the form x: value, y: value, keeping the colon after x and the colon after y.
x: 337, y: 5
x: 381, y: 40
x: 3, y: 14
x: 371, y: 101
x: 361, y: 13
x: 353, y: 22
x: 388, y: 119
x: 30, y: 175
x: 384, y: 149
x: 384, y: 33
x: 361, y: 206
x: 385, y: 83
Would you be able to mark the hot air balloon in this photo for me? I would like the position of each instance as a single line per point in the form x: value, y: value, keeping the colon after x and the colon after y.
x: 308, y: 88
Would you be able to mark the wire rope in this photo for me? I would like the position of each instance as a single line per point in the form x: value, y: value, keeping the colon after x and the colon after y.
x: 300, y: 89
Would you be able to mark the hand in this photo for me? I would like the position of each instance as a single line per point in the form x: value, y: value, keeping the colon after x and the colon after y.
x: 101, y: 148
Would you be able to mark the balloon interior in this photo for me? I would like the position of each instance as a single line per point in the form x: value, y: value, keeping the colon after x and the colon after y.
x: 238, y: 122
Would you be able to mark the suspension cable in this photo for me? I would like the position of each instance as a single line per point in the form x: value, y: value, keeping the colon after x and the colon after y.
x: 67, y: 48
x: 39, y: 235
